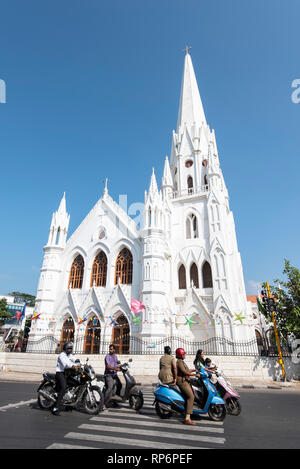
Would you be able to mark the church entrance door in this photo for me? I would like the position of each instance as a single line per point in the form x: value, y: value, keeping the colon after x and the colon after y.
x: 92, y: 336
x: 67, y: 332
x: 121, y: 335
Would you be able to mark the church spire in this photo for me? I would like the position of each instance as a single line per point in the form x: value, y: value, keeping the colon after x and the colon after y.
x: 59, y: 225
x: 190, y: 108
x: 62, y: 206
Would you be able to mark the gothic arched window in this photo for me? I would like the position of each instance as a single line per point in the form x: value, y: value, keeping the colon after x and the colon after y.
x: 149, y: 217
x: 191, y: 226
x: 124, y: 267
x: 57, y: 236
x: 99, y: 270
x: 76, y: 273
x: 194, y: 275
x: 190, y: 184
x: 206, y: 275
x: 182, y: 277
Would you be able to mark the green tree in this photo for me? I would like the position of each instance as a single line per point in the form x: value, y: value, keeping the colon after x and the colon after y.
x: 22, y: 297
x: 4, y: 314
x: 287, y: 295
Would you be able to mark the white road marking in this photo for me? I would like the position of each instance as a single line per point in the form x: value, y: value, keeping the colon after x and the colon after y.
x: 162, y: 424
x: 151, y: 415
x: 63, y: 446
x: 157, y: 433
x: 128, y: 442
x: 17, y: 404
x: 118, y: 427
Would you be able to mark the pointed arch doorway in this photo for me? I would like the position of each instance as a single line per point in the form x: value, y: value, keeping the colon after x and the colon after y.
x: 67, y: 332
x: 92, y: 336
x: 121, y: 335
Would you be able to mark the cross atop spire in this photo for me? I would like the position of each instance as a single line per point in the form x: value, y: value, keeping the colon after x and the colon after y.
x: 106, y: 181
x: 186, y: 50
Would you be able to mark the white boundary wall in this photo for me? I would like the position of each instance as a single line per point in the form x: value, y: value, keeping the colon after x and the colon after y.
x: 262, y: 368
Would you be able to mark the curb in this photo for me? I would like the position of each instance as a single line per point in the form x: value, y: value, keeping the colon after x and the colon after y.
x: 7, y: 377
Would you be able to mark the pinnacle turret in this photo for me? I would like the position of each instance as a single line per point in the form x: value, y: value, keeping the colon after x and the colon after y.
x: 167, y: 180
x: 153, y: 188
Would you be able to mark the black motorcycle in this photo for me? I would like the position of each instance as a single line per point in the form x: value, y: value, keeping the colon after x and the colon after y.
x: 131, y: 393
x: 80, y: 392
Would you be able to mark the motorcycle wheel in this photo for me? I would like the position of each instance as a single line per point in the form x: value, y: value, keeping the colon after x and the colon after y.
x: 233, y: 406
x: 217, y: 412
x: 162, y: 413
x: 93, y: 408
x: 136, y: 401
x: 43, y: 402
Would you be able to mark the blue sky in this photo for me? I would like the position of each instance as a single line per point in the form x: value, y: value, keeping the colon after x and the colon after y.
x: 93, y: 92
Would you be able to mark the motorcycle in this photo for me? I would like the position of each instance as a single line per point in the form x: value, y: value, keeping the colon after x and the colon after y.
x: 82, y: 390
x: 228, y: 394
x: 169, y: 399
x: 131, y: 393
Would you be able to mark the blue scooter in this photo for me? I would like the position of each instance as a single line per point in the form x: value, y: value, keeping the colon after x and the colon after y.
x: 169, y: 399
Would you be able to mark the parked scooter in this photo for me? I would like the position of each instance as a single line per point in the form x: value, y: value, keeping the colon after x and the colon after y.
x: 169, y: 399
x: 230, y: 396
x: 82, y: 390
x: 131, y: 393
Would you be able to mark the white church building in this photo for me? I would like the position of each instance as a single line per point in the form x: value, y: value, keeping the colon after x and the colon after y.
x: 183, y: 263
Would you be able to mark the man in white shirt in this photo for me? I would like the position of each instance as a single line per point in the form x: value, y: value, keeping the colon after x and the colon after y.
x: 65, y: 361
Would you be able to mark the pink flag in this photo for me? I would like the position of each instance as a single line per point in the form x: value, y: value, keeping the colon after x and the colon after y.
x: 137, y: 306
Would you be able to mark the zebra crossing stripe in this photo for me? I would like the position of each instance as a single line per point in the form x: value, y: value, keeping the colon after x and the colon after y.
x: 140, y: 422
x: 151, y: 415
x: 64, y: 446
x: 126, y: 441
x: 157, y: 433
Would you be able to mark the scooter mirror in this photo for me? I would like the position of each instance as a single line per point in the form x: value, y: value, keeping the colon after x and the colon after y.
x: 130, y: 360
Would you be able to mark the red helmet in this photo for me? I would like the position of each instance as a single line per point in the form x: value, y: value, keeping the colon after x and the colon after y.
x: 180, y: 352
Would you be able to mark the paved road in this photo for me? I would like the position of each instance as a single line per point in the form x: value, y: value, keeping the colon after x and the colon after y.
x: 269, y: 419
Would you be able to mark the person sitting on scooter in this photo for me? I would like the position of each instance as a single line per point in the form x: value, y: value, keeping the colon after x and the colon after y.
x: 183, y: 374
x: 110, y: 374
x: 199, y: 361
x: 212, y: 369
x: 167, y: 368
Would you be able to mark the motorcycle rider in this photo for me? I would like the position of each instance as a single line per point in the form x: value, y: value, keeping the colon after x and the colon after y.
x: 65, y: 361
x: 167, y: 367
x: 110, y: 374
x: 183, y: 376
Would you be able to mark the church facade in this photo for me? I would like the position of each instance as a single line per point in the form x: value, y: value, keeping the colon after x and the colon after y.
x: 183, y: 263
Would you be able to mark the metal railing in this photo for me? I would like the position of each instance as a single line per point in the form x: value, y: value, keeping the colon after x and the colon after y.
x: 135, y: 346
x: 190, y: 191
